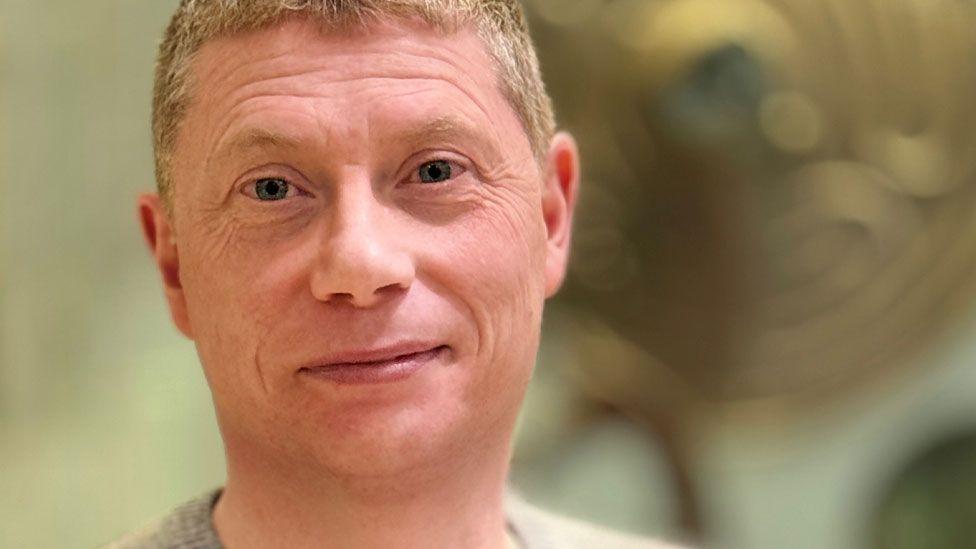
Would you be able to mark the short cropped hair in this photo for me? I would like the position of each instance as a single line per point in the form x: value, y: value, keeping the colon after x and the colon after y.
x: 501, y: 24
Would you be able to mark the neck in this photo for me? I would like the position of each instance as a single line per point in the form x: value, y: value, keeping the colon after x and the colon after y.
x: 457, y: 504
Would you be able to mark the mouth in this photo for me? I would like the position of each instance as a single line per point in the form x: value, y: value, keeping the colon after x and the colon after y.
x: 373, y: 367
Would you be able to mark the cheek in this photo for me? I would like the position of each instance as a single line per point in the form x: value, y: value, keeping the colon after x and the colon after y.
x: 224, y: 332
x: 244, y: 266
x: 493, y: 262
x: 233, y: 288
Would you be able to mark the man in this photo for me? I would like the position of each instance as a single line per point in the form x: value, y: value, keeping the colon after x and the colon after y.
x: 362, y: 208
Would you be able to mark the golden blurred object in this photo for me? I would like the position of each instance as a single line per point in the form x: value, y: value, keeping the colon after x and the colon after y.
x: 781, y: 193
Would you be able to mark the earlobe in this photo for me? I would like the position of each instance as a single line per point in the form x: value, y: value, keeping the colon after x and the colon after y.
x: 158, y: 231
x: 562, y: 180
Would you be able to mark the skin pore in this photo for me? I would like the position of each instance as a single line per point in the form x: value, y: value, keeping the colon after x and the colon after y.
x: 339, y: 194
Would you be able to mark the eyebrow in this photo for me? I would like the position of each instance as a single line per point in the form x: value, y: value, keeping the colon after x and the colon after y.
x: 446, y: 129
x: 442, y: 129
x: 255, y: 138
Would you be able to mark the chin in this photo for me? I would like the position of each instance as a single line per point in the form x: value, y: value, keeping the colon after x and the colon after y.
x: 388, y: 442
x: 440, y: 416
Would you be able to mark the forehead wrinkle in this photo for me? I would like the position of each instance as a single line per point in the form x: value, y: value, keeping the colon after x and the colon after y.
x: 378, y: 80
x: 319, y: 89
x: 373, y: 62
x: 381, y: 51
x: 270, y: 138
x: 442, y: 122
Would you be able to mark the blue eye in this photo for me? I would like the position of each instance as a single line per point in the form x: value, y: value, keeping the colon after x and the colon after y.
x: 436, y: 172
x: 270, y: 189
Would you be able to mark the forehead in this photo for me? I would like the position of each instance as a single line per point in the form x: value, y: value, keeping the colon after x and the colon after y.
x: 397, y: 67
x: 296, y: 43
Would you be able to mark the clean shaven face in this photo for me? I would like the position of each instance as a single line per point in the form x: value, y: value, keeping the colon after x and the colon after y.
x: 362, y: 243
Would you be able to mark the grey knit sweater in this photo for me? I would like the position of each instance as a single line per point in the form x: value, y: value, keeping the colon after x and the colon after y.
x: 190, y: 527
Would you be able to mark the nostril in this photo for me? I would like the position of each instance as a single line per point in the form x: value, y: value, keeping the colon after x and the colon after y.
x: 360, y: 276
x: 390, y: 288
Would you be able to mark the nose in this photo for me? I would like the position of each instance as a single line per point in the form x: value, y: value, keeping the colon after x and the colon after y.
x: 360, y: 261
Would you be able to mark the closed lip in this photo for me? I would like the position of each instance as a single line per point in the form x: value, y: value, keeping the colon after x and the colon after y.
x: 374, y: 355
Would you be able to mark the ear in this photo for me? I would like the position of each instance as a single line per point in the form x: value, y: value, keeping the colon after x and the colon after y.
x: 562, y: 180
x: 158, y: 230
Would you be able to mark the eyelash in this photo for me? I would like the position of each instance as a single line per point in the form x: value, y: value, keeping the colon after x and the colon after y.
x: 457, y: 170
x: 249, y: 188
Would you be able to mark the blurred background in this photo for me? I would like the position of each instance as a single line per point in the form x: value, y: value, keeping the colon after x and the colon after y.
x: 765, y: 340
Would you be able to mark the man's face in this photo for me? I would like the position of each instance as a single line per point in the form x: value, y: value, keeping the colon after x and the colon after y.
x: 344, y: 199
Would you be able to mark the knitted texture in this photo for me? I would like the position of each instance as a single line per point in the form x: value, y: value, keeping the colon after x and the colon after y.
x: 190, y: 527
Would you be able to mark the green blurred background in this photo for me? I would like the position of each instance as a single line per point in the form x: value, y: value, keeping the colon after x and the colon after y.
x: 765, y: 340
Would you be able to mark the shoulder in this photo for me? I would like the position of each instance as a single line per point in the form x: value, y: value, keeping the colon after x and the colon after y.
x: 540, y: 529
x: 189, y: 526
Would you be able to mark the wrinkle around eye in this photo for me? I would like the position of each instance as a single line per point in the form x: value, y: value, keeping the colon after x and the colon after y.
x: 259, y: 221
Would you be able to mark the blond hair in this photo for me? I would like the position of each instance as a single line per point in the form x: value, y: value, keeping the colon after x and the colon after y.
x: 500, y: 23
